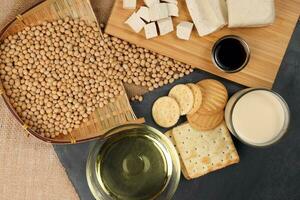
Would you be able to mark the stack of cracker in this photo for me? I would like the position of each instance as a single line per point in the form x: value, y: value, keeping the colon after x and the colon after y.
x: 204, y: 143
x: 182, y: 100
x: 203, y: 104
x: 211, y: 112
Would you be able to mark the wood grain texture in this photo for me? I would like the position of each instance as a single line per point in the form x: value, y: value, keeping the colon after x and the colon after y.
x: 103, y: 119
x: 267, y: 44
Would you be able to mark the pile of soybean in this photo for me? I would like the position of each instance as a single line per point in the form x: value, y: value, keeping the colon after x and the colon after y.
x: 57, y: 73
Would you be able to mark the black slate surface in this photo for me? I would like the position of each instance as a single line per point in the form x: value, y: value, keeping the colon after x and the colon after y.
x: 271, y: 173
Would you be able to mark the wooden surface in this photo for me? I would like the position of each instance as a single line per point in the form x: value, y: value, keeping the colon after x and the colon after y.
x: 103, y: 119
x: 267, y: 44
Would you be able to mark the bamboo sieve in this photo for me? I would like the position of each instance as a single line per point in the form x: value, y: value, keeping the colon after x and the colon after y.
x: 102, y: 119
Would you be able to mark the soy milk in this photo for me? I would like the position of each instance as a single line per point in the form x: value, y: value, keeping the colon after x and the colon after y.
x: 257, y: 117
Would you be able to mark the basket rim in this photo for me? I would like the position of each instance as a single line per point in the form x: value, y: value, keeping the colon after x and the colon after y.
x: 2, y: 31
x: 5, y: 98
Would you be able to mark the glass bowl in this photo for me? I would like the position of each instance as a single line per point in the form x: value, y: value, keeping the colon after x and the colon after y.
x: 229, y: 110
x: 99, y: 182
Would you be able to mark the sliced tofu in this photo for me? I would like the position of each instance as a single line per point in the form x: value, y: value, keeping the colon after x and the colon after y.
x: 135, y: 22
x: 173, y: 10
x: 204, y: 16
x: 150, y: 30
x: 150, y: 2
x: 143, y: 13
x: 165, y: 26
x: 129, y: 4
x: 250, y: 13
x: 158, y: 11
x: 184, y: 30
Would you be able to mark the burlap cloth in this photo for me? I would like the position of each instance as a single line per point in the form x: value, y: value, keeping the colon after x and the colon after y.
x: 29, y: 169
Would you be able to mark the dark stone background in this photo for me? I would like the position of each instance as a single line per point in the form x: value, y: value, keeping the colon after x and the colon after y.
x: 271, y: 173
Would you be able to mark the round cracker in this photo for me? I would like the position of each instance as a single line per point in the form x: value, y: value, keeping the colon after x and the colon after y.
x: 214, y: 95
x: 184, y: 97
x: 166, y: 112
x: 197, y: 97
x: 204, y: 122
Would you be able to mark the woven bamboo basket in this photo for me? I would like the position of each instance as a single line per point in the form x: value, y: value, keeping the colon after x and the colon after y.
x: 103, y: 119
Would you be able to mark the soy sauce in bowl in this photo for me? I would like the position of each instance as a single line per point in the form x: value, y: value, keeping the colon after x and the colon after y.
x: 230, y: 54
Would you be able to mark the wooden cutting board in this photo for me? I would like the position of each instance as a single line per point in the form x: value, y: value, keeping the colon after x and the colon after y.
x: 267, y: 44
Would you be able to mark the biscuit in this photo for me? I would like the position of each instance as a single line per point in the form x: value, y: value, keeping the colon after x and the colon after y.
x: 214, y: 95
x: 183, y: 170
x: 165, y: 111
x: 184, y: 97
x: 202, y: 152
x: 197, y: 97
x: 204, y: 122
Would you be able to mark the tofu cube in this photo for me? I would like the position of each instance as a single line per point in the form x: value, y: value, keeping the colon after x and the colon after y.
x: 184, y: 30
x: 129, y: 4
x: 163, y: 10
x: 143, y: 13
x: 165, y: 25
x: 150, y: 30
x: 158, y: 11
x: 173, y: 10
x: 250, y: 13
x: 149, y: 3
x: 135, y: 22
x: 154, y: 12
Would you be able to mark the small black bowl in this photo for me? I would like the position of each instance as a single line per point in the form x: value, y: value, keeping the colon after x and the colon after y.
x: 230, y: 54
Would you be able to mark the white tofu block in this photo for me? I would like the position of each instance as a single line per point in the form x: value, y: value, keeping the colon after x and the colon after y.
x: 150, y: 30
x: 184, y: 30
x: 129, y: 4
x: 163, y: 10
x: 135, y: 22
x: 143, y: 13
x: 173, y: 10
x: 250, y: 13
x: 154, y: 12
x: 150, y: 2
x: 204, y: 17
x: 165, y: 25
x: 220, y: 9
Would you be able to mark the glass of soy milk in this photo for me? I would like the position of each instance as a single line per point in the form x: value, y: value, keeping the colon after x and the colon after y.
x: 257, y: 116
